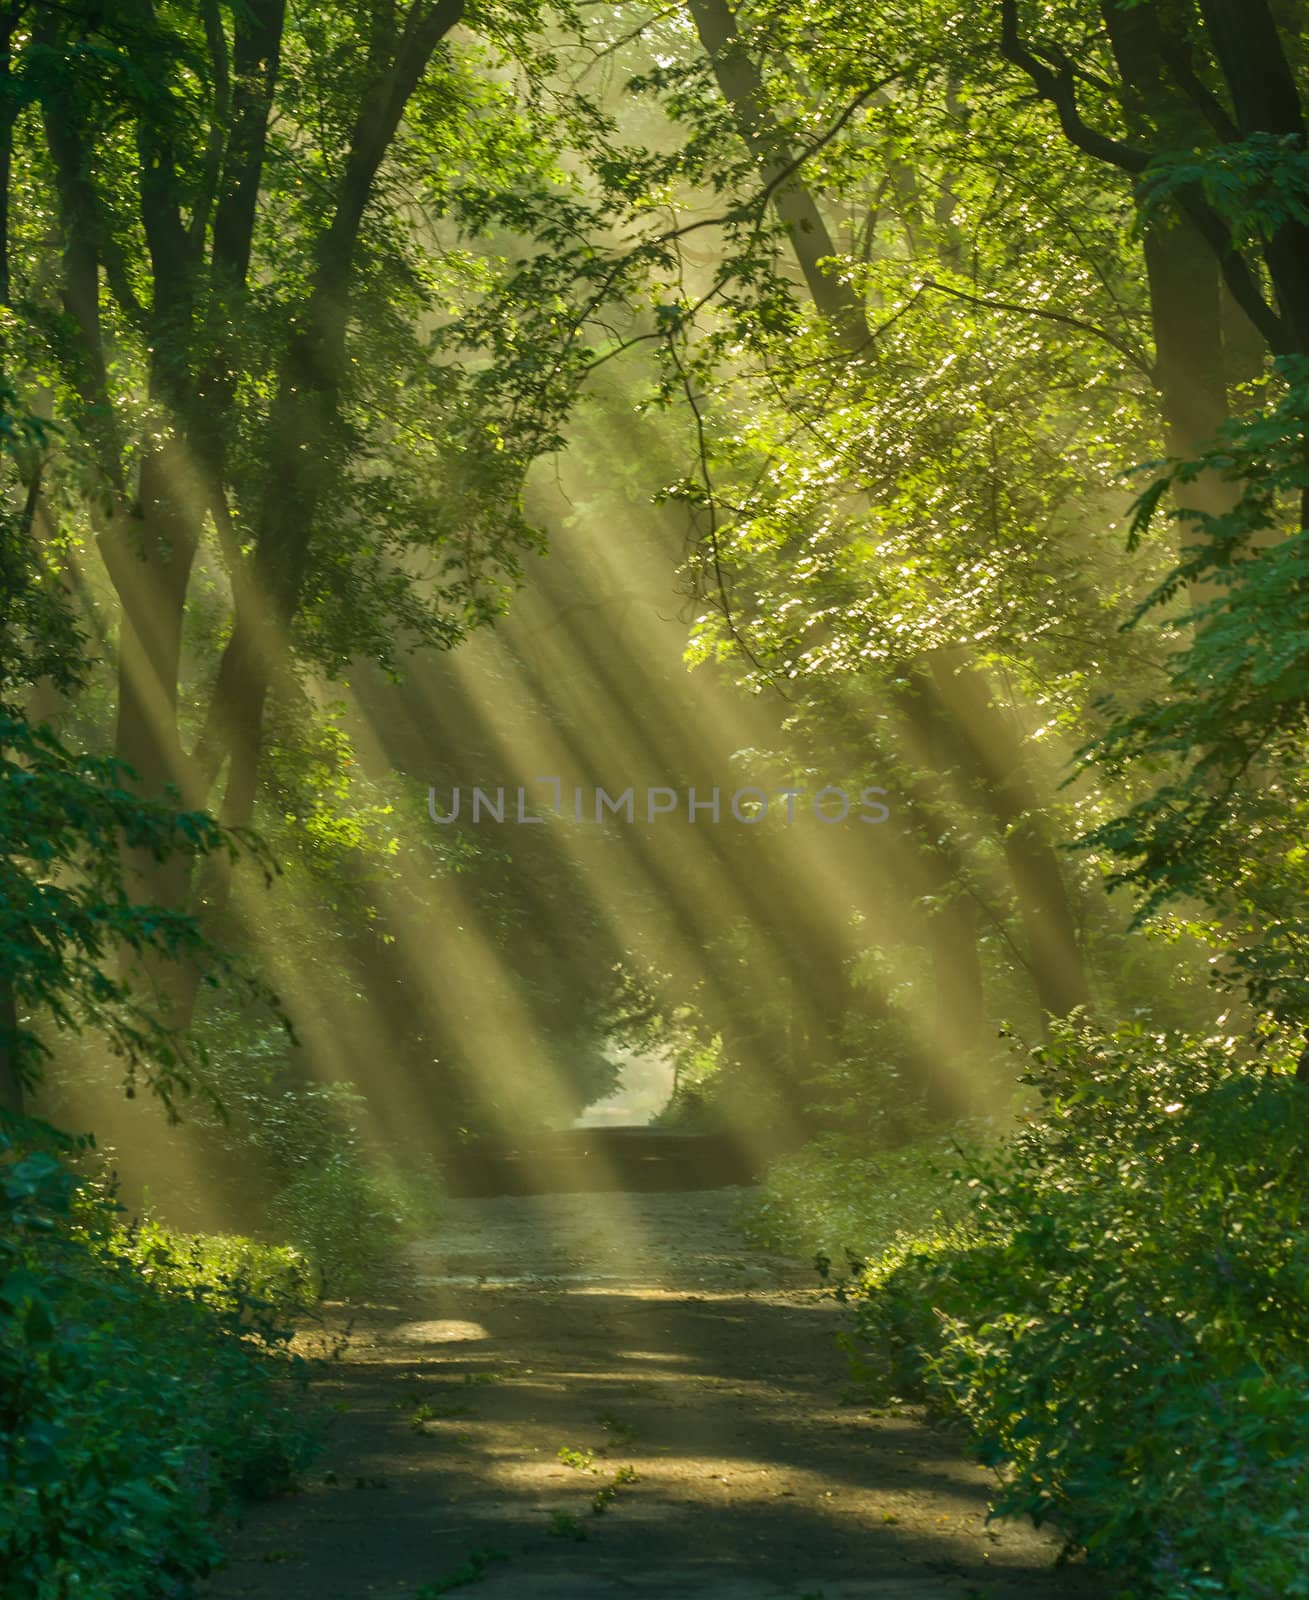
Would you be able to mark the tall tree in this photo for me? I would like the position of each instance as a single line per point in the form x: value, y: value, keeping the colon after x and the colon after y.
x: 258, y: 211
x: 992, y: 757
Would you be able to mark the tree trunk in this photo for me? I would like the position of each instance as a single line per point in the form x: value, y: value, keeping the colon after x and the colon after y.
x: 11, y: 1077
x: 305, y: 417
x: 1056, y: 962
x: 1249, y: 50
x: 990, y: 752
x: 1183, y: 276
x: 742, y: 88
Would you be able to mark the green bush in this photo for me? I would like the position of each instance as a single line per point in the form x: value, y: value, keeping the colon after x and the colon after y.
x: 295, y: 1152
x: 349, y: 1220
x: 239, y: 1273
x: 839, y: 1198
x: 142, y: 1385
x: 1122, y: 1314
x: 272, y: 1155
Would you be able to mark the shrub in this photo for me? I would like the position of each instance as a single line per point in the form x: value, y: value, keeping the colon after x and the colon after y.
x: 141, y: 1386
x: 349, y: 1221
x: 294, y: 1152
x: 838, y: 1197
x: 1122, y: 1313
x: 239, y: 1273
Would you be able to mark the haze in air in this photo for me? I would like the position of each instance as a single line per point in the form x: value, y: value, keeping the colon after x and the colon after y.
x: 652, y: 728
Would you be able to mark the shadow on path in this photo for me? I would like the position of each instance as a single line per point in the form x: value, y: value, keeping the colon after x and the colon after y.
x: 707, y: 1370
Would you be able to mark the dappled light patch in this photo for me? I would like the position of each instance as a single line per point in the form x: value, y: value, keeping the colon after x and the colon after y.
x: 439, y: 1331
x: 665, y: 1357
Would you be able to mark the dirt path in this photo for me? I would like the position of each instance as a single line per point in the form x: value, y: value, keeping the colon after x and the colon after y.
x: 639, y: 1332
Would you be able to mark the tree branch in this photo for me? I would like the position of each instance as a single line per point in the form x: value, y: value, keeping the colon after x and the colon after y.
x: 211, y: 164
x: 1059, y: 88
x: 1123, y: 349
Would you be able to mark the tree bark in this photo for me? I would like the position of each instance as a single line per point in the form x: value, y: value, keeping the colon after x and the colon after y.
x: 1154, y: 57
x: 306, y: 418
x: 11, y: 1077
x: 1182, y: 272
x: 1249, y: 50
x: 742, y: 87
x: 990, y: 752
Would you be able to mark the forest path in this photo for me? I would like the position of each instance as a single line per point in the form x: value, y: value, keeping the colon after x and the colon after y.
x: 641, y: 1332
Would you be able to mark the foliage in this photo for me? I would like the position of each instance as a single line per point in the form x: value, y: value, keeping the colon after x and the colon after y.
x: 286, y: 432
x: 607, y: 1493
x: 268, y: 1152
x: 471, y: 1571
x: 39, y: 636
x: 1121, y: 1312
x: 66, y: 911
x: 842, y: 1198
x: 69, y: 821
x: 348, y: 1220
x: 887, y: 498
x: 1224, y: 825
x: 238, y: 1274
x: 296, y: 1151
x: 696, y: 1065
x: 1257, y: 184
x: 317, y: 203
x: 144, y: 1384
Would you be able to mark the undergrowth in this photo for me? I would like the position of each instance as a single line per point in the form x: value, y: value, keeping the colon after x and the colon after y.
x: 839, y: 1198
x: 1120, y: 1311
x: 146, y: 1381
x: 298, y: 1148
